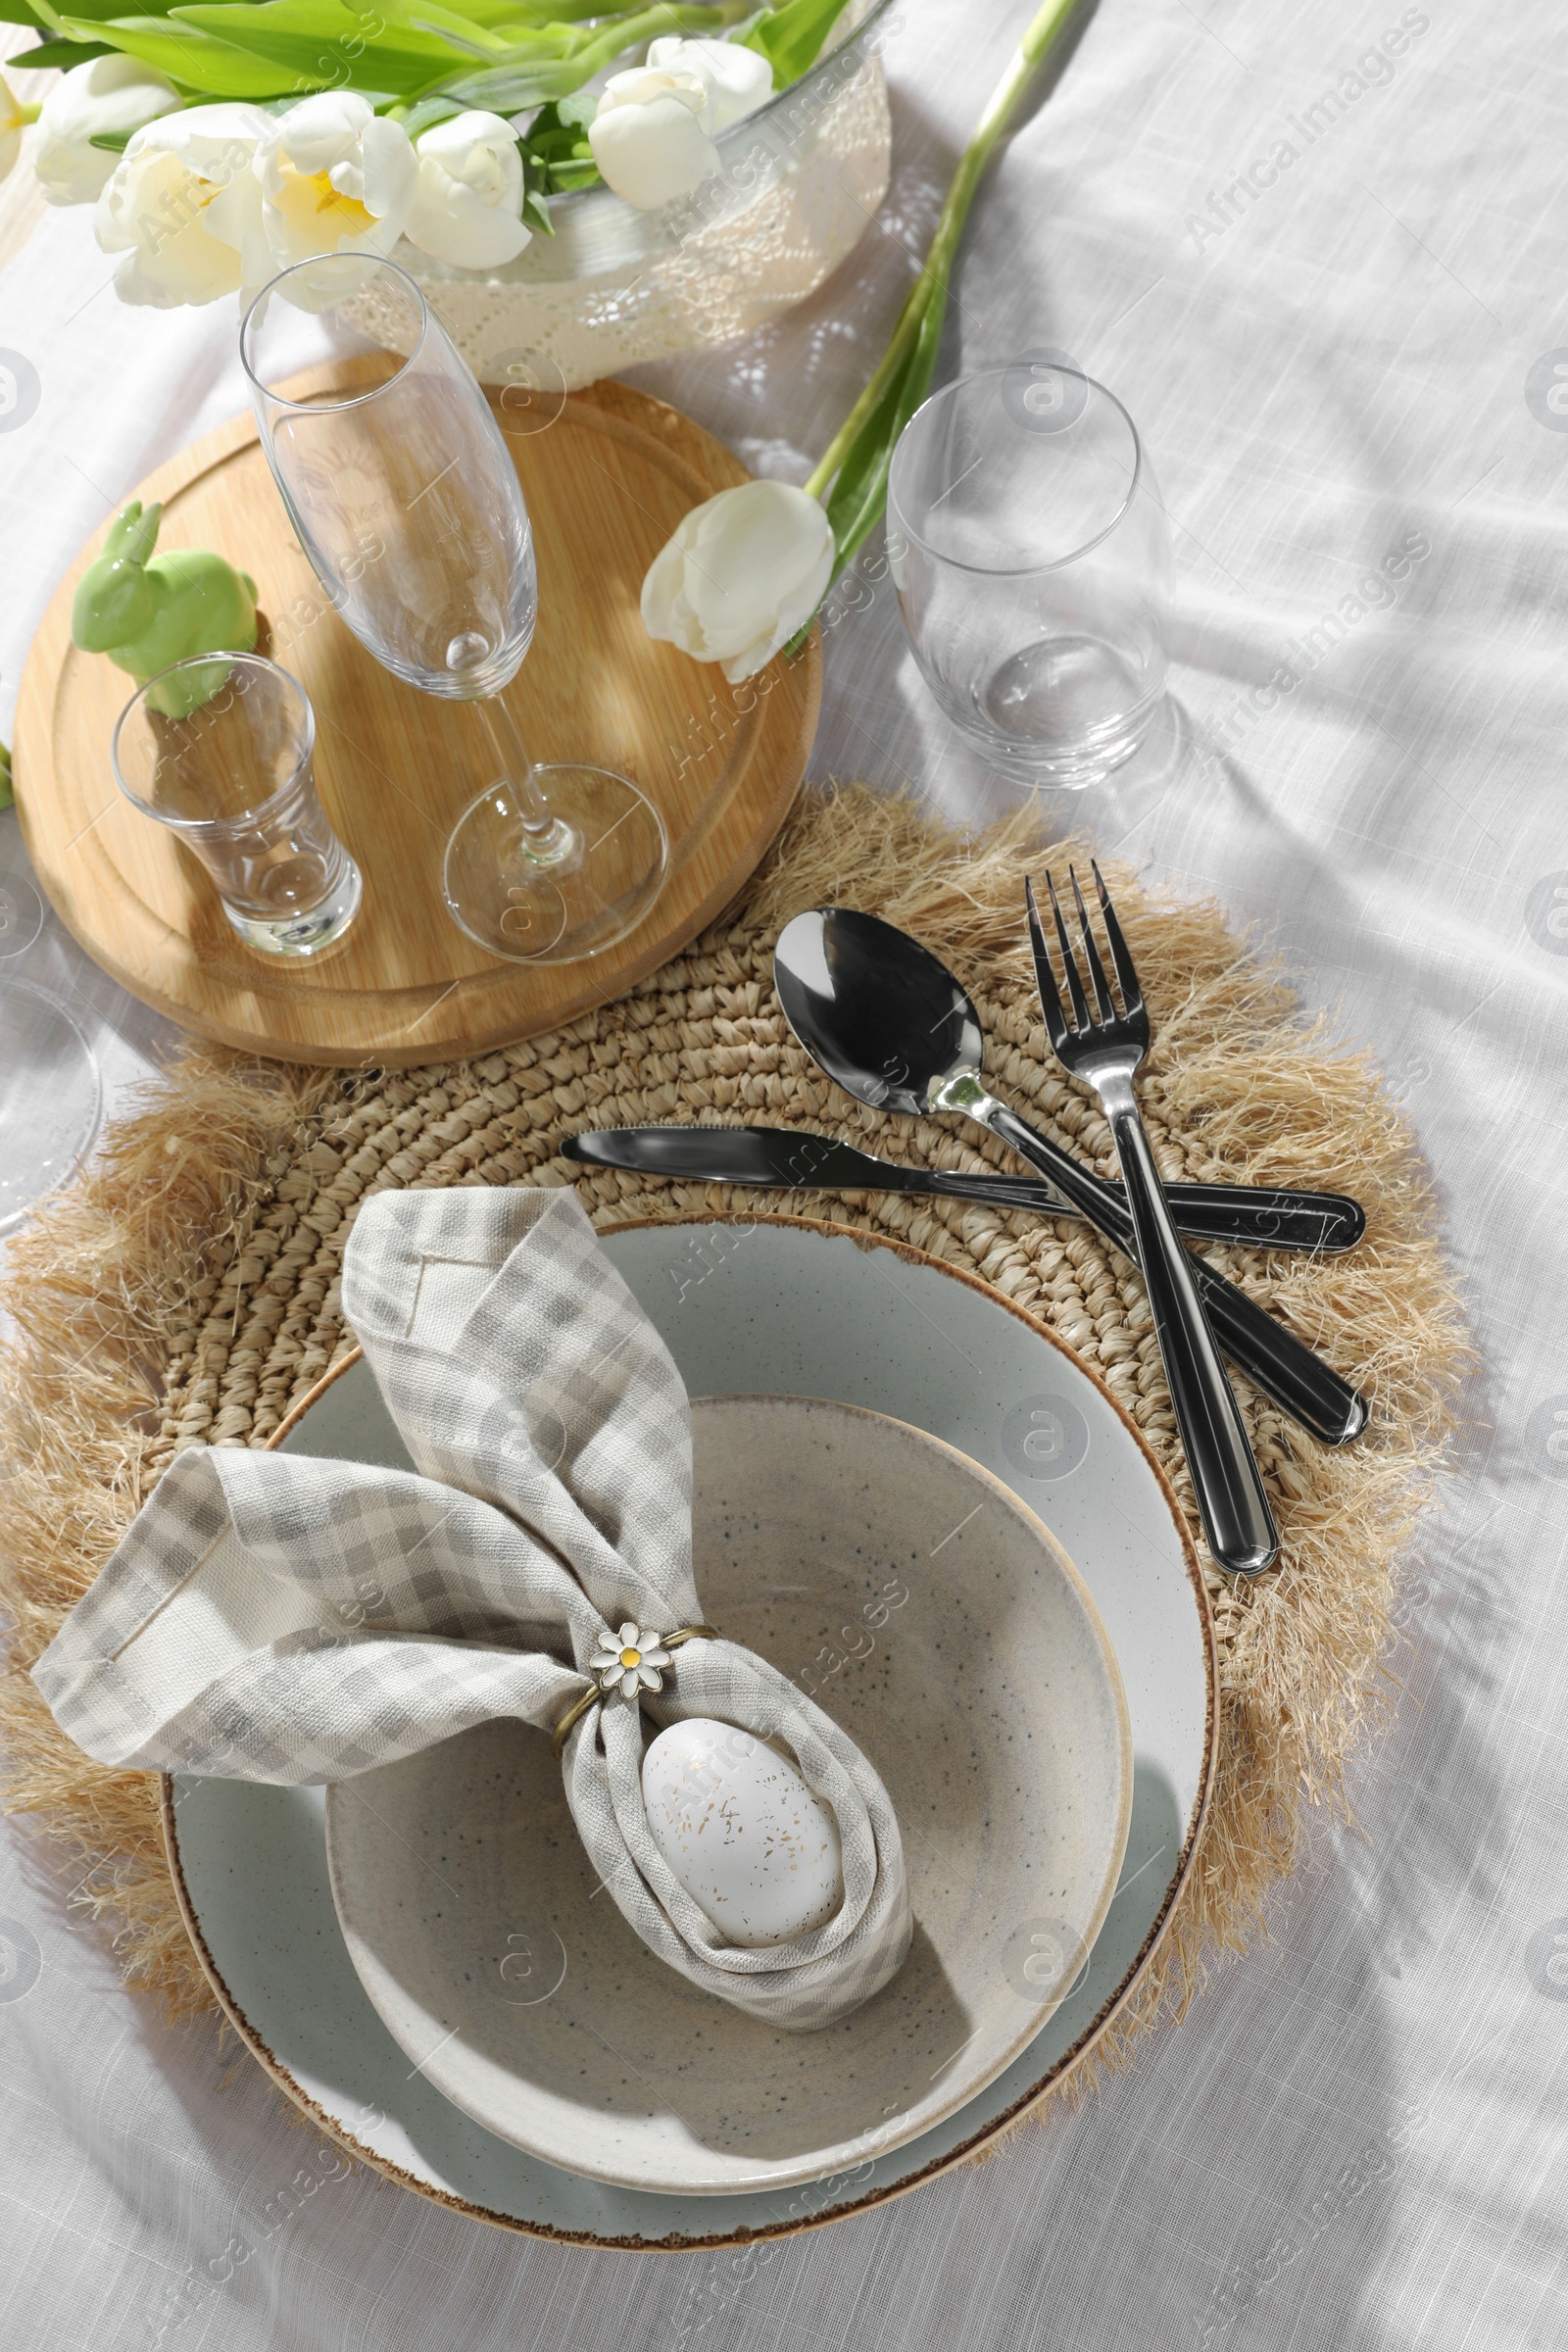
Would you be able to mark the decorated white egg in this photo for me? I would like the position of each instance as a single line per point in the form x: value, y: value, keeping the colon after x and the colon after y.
x: 751, y: 1843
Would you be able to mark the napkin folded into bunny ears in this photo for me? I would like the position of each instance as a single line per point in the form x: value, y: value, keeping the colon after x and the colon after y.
x: 550, y: 1500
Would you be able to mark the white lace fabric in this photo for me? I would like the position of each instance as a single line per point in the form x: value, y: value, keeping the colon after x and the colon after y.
x: 713, y: 268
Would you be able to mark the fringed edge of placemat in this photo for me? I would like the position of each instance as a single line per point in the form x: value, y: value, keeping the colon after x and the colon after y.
x: 184, y: 1291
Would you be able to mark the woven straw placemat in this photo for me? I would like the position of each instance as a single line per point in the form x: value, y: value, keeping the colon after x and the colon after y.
x: 187, y: 1292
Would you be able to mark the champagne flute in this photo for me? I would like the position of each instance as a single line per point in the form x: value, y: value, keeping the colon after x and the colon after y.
x: 406, y: 502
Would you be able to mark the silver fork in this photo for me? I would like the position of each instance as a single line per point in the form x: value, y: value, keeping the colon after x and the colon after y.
x: 1104, y: 1049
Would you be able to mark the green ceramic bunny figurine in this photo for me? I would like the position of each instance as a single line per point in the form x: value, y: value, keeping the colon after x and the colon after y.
x: 146, y: 610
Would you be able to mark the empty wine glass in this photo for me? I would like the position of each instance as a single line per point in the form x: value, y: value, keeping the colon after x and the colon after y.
x: 407, y: 503
x: 51, y: 1091
x: 51, y: 1096
x: 1032, y: 559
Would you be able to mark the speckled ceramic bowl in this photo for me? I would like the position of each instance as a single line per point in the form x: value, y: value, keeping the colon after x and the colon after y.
x: 786, y: 1305
x: 936, y: 1618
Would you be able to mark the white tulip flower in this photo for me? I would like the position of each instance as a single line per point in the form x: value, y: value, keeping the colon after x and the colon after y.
x: 112, y: 94
x: 737, y: 79
x: 648, y: 137
x: 743, y: 572
x: 468, y: 204
x: 335, y: 179
x: 14, y: 119
x: 184, y: 206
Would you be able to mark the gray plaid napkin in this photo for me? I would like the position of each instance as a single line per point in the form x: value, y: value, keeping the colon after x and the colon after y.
x: 231, y: 1631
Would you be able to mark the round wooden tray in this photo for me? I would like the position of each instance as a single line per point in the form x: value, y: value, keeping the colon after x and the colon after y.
x: 606, y: 483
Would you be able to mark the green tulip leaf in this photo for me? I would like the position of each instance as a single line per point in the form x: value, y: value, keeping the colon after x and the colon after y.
x: 427, y: 112
x: 194, y: 59
x: 509, y: 89
x: 95, y: 13
x: 558, y: 135
x: 63, y: 54
x: 473, y: 31
x: 317, y: 43
x: 572, y: 113
x: 557, y: 156
x: 791, y: 38
x: 502, y: 16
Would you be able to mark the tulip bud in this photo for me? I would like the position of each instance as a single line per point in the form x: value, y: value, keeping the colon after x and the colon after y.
x: 648, y: 137
x: 743, y: 572
x: 653, y: 137
x: 468, y: 203
x: 112, y: 95
x: 737, y: 79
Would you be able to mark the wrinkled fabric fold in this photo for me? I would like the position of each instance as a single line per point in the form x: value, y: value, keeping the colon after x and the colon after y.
x: 274, y: 1617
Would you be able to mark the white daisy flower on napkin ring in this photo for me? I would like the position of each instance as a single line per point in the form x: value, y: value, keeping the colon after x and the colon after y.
x: 630, y: 1661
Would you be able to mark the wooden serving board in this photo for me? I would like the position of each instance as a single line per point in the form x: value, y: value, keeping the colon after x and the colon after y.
x: 606, y: 483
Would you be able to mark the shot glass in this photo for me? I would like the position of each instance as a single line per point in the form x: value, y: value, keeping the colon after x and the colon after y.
x: 1032, y: 561
x: 219, y: 749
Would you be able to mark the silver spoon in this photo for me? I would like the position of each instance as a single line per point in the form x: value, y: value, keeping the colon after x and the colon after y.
x: 881, y: 1016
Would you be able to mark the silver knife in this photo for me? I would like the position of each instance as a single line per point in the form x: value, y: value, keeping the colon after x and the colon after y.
x: 790, y: 1160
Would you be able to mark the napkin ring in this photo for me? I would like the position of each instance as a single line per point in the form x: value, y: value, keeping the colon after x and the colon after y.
x: 631, y: 1659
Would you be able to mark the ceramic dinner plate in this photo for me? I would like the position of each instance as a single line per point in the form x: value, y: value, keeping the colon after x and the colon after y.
x: 787, y: 1308
x: 947, y: 1631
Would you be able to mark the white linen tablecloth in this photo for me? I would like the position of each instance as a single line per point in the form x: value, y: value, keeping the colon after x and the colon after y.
x: 1357, y: 2139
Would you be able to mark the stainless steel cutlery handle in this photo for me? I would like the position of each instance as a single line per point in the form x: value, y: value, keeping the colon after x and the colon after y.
x: 1271, y: 1356
x: 1232, y: 1213
x: 1275, y: 1219
x: 1276, y: 1362
x: 1237, y: 1520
